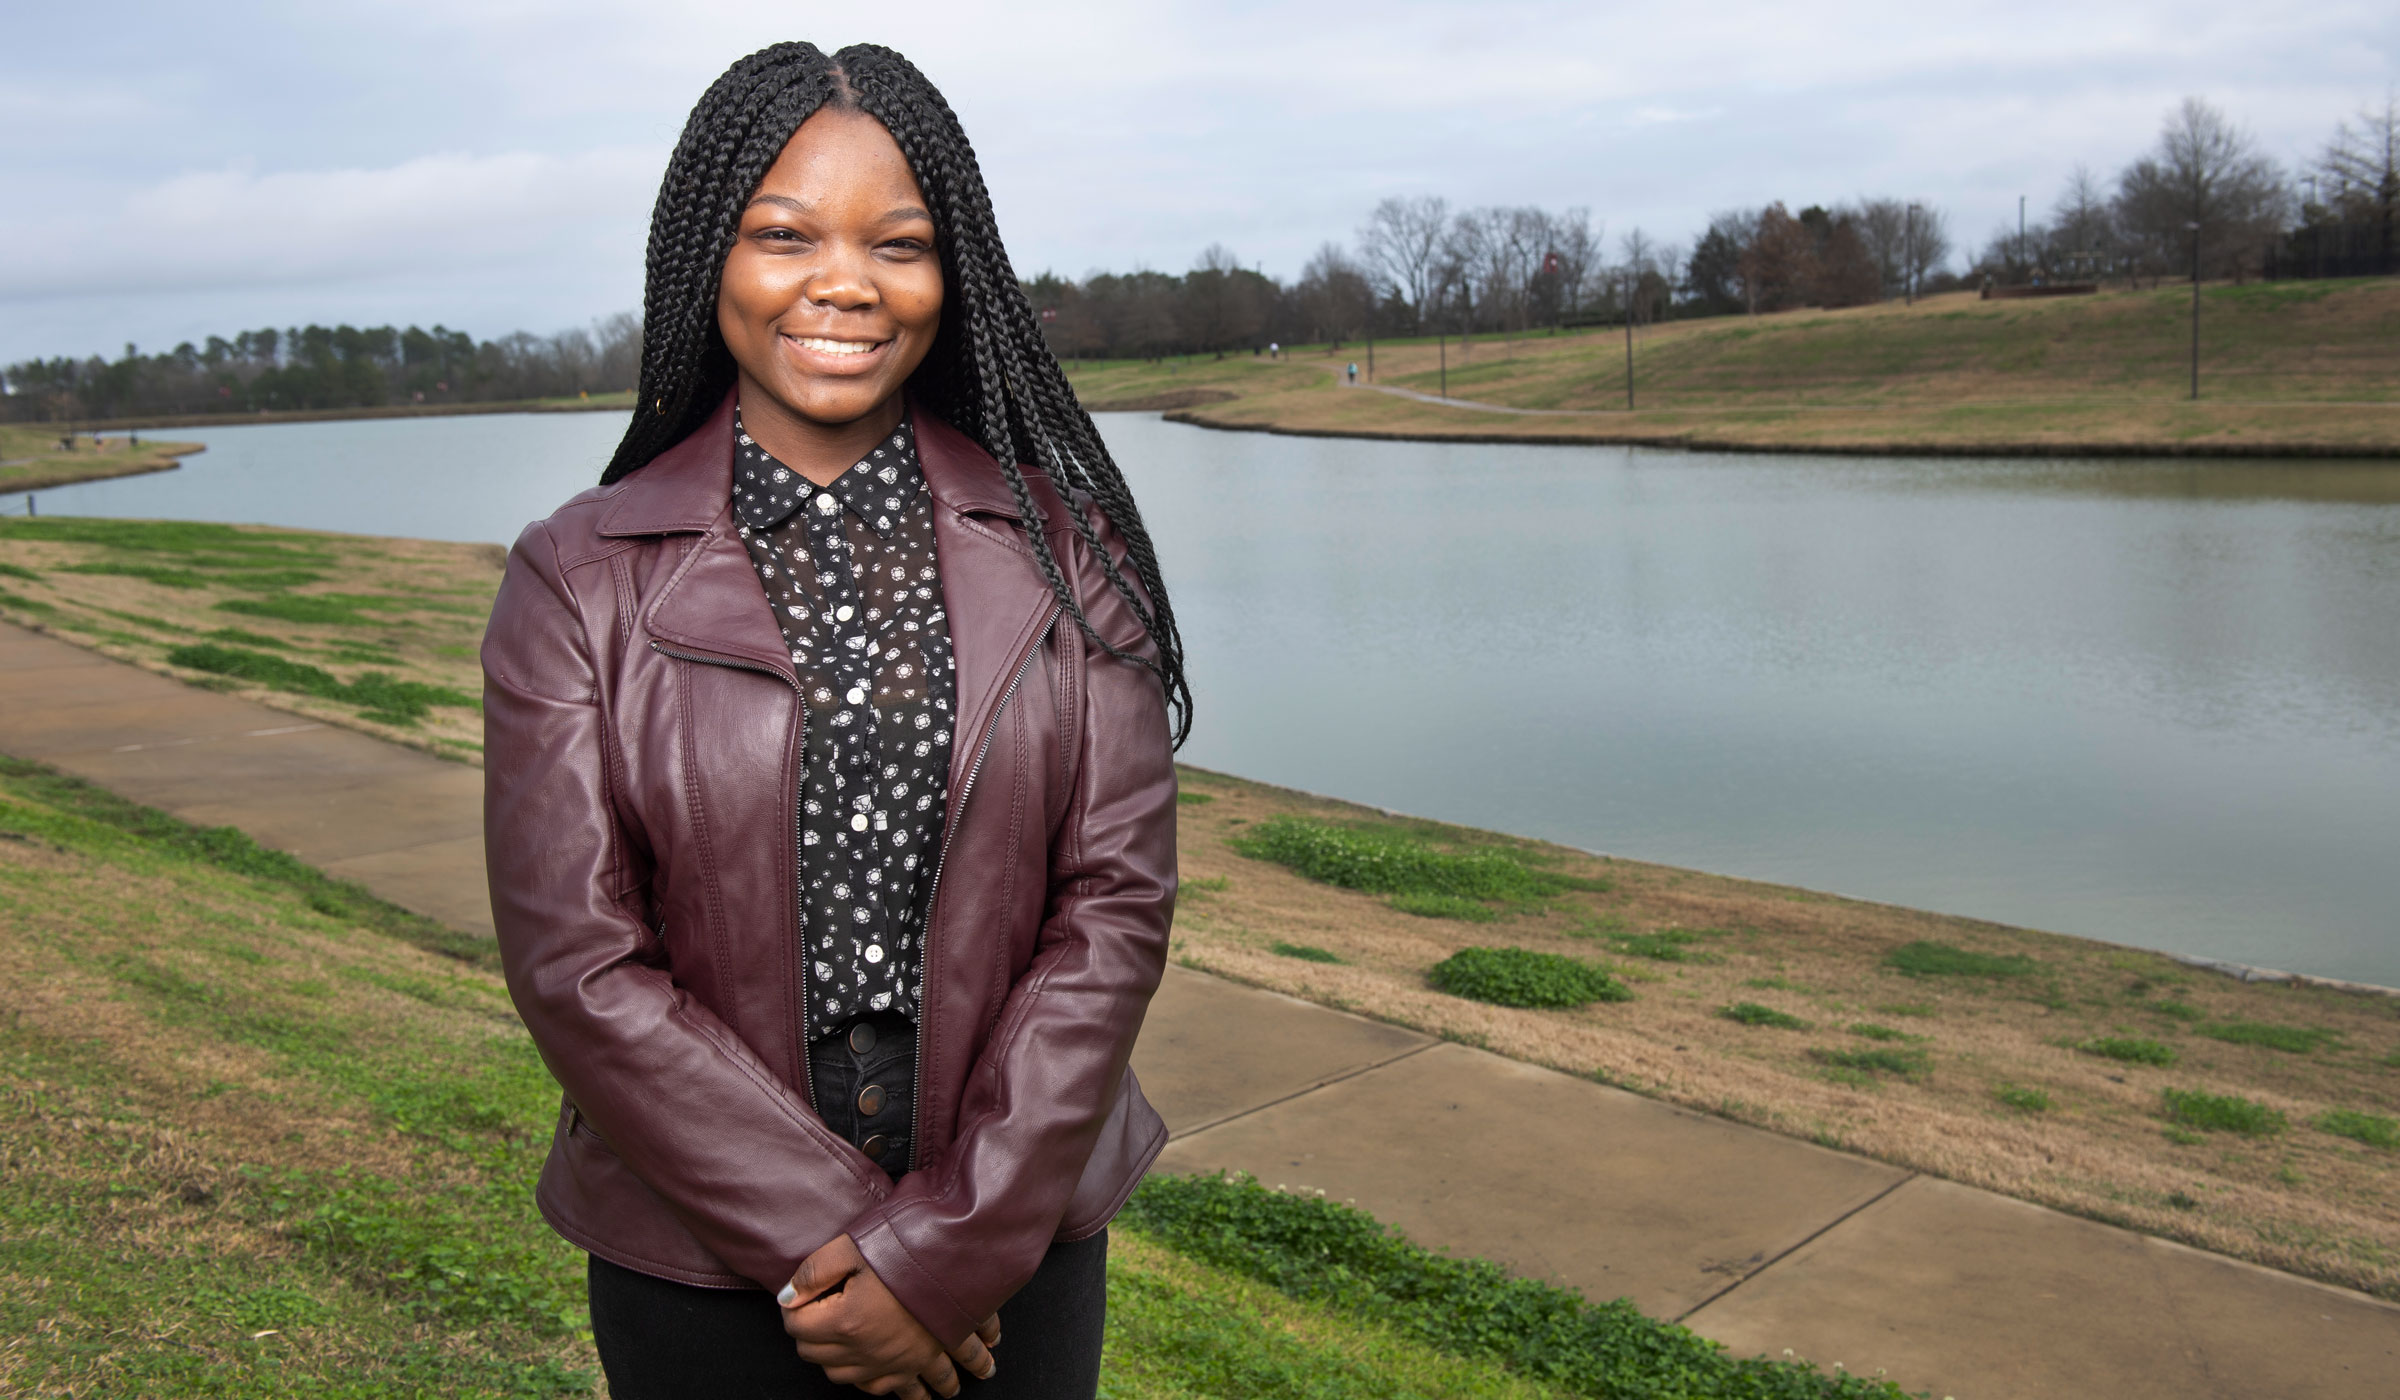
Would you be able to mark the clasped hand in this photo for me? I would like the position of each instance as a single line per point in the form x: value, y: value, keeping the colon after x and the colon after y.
x: 845, y: 1320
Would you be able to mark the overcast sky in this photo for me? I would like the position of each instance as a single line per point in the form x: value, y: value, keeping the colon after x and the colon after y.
x: 173, y: 170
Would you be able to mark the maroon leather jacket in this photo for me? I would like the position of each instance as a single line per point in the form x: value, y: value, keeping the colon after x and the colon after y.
x: 641, y: 746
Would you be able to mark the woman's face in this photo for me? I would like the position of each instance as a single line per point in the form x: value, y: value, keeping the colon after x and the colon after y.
x: 833, y: 291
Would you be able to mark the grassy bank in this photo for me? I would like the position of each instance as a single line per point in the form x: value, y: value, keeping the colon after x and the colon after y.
x: 2028, y: 1063
x: 31, y: 458
x: 265, y: 1135
x: 2043, y: 1080
x: 376, y: 634
x: 2286, y: 369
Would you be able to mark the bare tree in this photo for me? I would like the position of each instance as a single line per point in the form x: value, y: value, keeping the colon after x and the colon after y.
x: 2206, y: 191
x: 2083, y: 232
x: 1335, y: 296
x: 1575, y: 244
x: 2360, y: 169
x: 1882, y: 228
x: 1402, y: 243
x: 1926, y: 245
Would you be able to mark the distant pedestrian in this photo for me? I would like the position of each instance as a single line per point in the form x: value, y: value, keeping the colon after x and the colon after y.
x: 1354, y: 371
x: 1274, y: 350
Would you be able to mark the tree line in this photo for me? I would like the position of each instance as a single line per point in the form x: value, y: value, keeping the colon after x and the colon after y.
x: 2202, y: 196
x: 327, y: 367
x: 2206, y: 200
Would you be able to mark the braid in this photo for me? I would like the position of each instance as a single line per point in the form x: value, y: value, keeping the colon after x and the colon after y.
x: 989, y: 373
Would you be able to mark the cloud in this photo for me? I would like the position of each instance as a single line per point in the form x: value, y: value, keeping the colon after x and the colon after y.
x: 233, y: 228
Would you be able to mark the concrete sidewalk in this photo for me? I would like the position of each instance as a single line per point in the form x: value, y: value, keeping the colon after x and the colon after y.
x: 1761, y: 1241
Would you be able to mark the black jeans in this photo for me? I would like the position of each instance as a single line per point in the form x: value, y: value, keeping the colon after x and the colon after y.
x: 864, y: 1073
x: 670, y: 1341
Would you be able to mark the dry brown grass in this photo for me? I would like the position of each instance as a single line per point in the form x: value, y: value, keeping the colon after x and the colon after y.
x: 32, y: 460
x: 440, y: 595
x: 2304, y: 1201
x: 2300, y: 369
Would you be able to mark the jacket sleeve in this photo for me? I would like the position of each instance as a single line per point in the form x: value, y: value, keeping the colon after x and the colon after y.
x: 764, y: 1182
x: 956, y: 1242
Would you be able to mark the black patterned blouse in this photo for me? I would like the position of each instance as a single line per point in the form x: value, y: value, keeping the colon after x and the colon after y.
x: 850, y: 571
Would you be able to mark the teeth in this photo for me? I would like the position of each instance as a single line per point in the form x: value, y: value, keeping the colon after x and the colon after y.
x: 836, y: 347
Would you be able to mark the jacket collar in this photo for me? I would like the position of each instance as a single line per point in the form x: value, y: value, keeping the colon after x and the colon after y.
x: 687, y: 488
x: 713, y: 604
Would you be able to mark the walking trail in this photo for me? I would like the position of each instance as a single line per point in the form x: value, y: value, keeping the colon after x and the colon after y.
x: 1763, y: 1242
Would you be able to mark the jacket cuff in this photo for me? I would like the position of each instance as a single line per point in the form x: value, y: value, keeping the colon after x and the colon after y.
x: 911, y: 1282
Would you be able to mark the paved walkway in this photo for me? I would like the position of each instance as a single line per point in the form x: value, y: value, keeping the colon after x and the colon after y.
x: 1764, y: 1242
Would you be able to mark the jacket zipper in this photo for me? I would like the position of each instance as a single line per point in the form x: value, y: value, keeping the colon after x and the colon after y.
x: 808, y: 1076
x: 966, y: 789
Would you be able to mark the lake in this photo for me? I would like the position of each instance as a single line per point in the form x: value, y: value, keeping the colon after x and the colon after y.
x: 2152, y: 702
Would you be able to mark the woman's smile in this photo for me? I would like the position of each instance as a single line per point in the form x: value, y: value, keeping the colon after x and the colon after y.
x: 820, y: 354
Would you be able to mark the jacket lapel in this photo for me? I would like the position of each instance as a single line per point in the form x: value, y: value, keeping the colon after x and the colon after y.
x: 712, y: 603
x: 997, y: 600
x: 994, y: 594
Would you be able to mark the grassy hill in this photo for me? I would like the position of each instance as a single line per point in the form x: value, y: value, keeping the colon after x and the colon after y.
x: 262, y: 1134
x: 2300, y: 368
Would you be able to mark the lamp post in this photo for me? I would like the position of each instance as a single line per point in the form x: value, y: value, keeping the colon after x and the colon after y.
x: 2194, y: 226
x: 1629, y: 285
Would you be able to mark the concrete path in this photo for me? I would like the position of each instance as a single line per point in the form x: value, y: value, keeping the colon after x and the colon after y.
x: 1761, y: 1241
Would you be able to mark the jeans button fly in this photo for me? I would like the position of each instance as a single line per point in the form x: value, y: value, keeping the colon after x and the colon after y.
x: 870, y: 1100
x: 875, y: 1146
x: 862, y: 1038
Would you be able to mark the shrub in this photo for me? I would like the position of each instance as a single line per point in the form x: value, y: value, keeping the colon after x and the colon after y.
x: 380, y: 696
x: 1928, y: 959
x: 2129, y: 1049
x: 2222, y: 1113
x: 2292, y: 1040
x: 2017, y: 1096
x: 1750, y: 1013
x: 1908, y: 1064
x: 1342, y: 1257
x: 1305, y: 952
x: 1522, y: 977
x: 2373, y: 1129
x: 1439, y: 883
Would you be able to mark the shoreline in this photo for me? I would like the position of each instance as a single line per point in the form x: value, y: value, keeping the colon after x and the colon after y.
x: 1688, y: 442
x: 342, y: 415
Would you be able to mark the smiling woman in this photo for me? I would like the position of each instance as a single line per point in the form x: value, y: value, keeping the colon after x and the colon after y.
x: 830, y: 802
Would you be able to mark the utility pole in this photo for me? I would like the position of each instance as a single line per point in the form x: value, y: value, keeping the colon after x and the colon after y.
x: 1629, y: 340
x: 1370, y: 359
x: 2195, y: 228
x: 1442, y: 342
x: 2020, y: 231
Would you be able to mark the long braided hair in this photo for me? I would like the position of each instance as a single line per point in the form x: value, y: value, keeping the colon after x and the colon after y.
x: 989, y: 373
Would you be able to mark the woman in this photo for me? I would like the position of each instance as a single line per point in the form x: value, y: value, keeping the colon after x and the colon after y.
x: 829, y: 799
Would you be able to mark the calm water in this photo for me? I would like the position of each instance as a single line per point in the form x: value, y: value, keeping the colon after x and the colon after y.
x: 2153, y: 703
